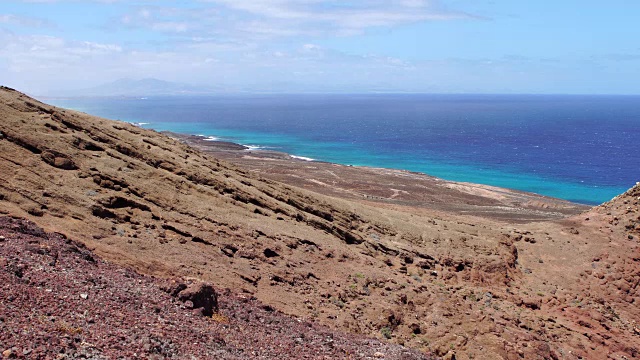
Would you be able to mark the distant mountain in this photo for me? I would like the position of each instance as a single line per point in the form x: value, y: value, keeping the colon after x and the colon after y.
x: 145, y: 87
x: 156, y: 87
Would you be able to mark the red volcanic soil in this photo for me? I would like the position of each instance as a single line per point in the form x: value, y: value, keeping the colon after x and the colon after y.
x: 58, y: 300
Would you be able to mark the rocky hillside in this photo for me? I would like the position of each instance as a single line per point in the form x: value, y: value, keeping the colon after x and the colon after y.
x: 60, y: 300
x: 456, y: 285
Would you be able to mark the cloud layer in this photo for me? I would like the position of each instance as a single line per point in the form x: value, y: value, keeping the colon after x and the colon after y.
x: 303, y: 45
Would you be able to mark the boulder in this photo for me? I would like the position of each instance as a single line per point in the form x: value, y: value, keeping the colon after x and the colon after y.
x: 58, y: 160
x: 202, y: 296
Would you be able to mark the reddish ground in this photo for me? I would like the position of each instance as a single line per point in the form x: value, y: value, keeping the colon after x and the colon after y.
x: 58, y: 300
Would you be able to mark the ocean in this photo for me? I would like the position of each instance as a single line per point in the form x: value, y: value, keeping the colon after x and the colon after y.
x: 579, y: 148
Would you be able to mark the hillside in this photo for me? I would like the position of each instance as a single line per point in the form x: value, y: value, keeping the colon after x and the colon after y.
x: 458, y: 284
x: 83, y: 307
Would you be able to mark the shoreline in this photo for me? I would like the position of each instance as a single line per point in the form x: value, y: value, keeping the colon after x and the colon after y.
x: 388, y: 187
x: 215, y: 143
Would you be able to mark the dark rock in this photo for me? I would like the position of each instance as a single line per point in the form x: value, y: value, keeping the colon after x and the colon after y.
x: 270, y: 253
x: 229, y: 250
x: 35, y: 211
x: 533, y: 304
x: 86, y: 145
x: 200, y: 240
x: 203, y: 297
x: 101, y: 212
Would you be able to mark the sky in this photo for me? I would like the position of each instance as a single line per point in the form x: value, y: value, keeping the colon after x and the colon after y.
x: 426, y: 46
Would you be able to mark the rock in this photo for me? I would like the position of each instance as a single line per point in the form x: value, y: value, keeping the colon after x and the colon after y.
x: 378, y: 355
x: 173, y: 287
x: 451, y: 355
x: 35, y: 211
x: 532, y: 303
x: 270, y: 253
x: 84, y: 296
x: 58, y: 160
x: 203, y: 297
x: 2, y: 238
x: 7, y: 354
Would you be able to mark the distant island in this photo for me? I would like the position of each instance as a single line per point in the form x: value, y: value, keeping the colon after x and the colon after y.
x: 128, y: 87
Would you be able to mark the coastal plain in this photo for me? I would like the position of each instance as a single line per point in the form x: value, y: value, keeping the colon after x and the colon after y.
x: 451, y: 270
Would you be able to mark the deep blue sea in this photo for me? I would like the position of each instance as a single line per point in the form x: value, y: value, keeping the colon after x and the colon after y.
x: 580, y: 148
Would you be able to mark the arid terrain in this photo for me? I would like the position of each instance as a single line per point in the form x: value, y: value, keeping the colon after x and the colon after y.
x: 450, y: 269
x: 61, y: 300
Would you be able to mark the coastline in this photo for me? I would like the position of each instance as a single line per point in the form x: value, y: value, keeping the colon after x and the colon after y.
x: 388, y: 187
x: 533, y: 166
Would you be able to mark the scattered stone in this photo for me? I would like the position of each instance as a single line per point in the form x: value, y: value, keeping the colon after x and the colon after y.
x: 7, y: 353
x: 2, y: 238
x: 378, y: 355
x: 84, y: 296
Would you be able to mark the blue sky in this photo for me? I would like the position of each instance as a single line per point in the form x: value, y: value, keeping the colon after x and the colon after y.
x: 446, y: 46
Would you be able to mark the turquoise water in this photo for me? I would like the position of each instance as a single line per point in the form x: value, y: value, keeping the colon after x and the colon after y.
x: 581, y: 149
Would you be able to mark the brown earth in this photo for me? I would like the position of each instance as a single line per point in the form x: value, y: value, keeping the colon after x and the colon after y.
x: 460, y: 270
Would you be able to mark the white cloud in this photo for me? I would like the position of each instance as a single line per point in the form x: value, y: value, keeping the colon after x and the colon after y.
x: 33, y: 52
x: 332, y: 16
x: 288, y: 18
x: 11, y: 19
